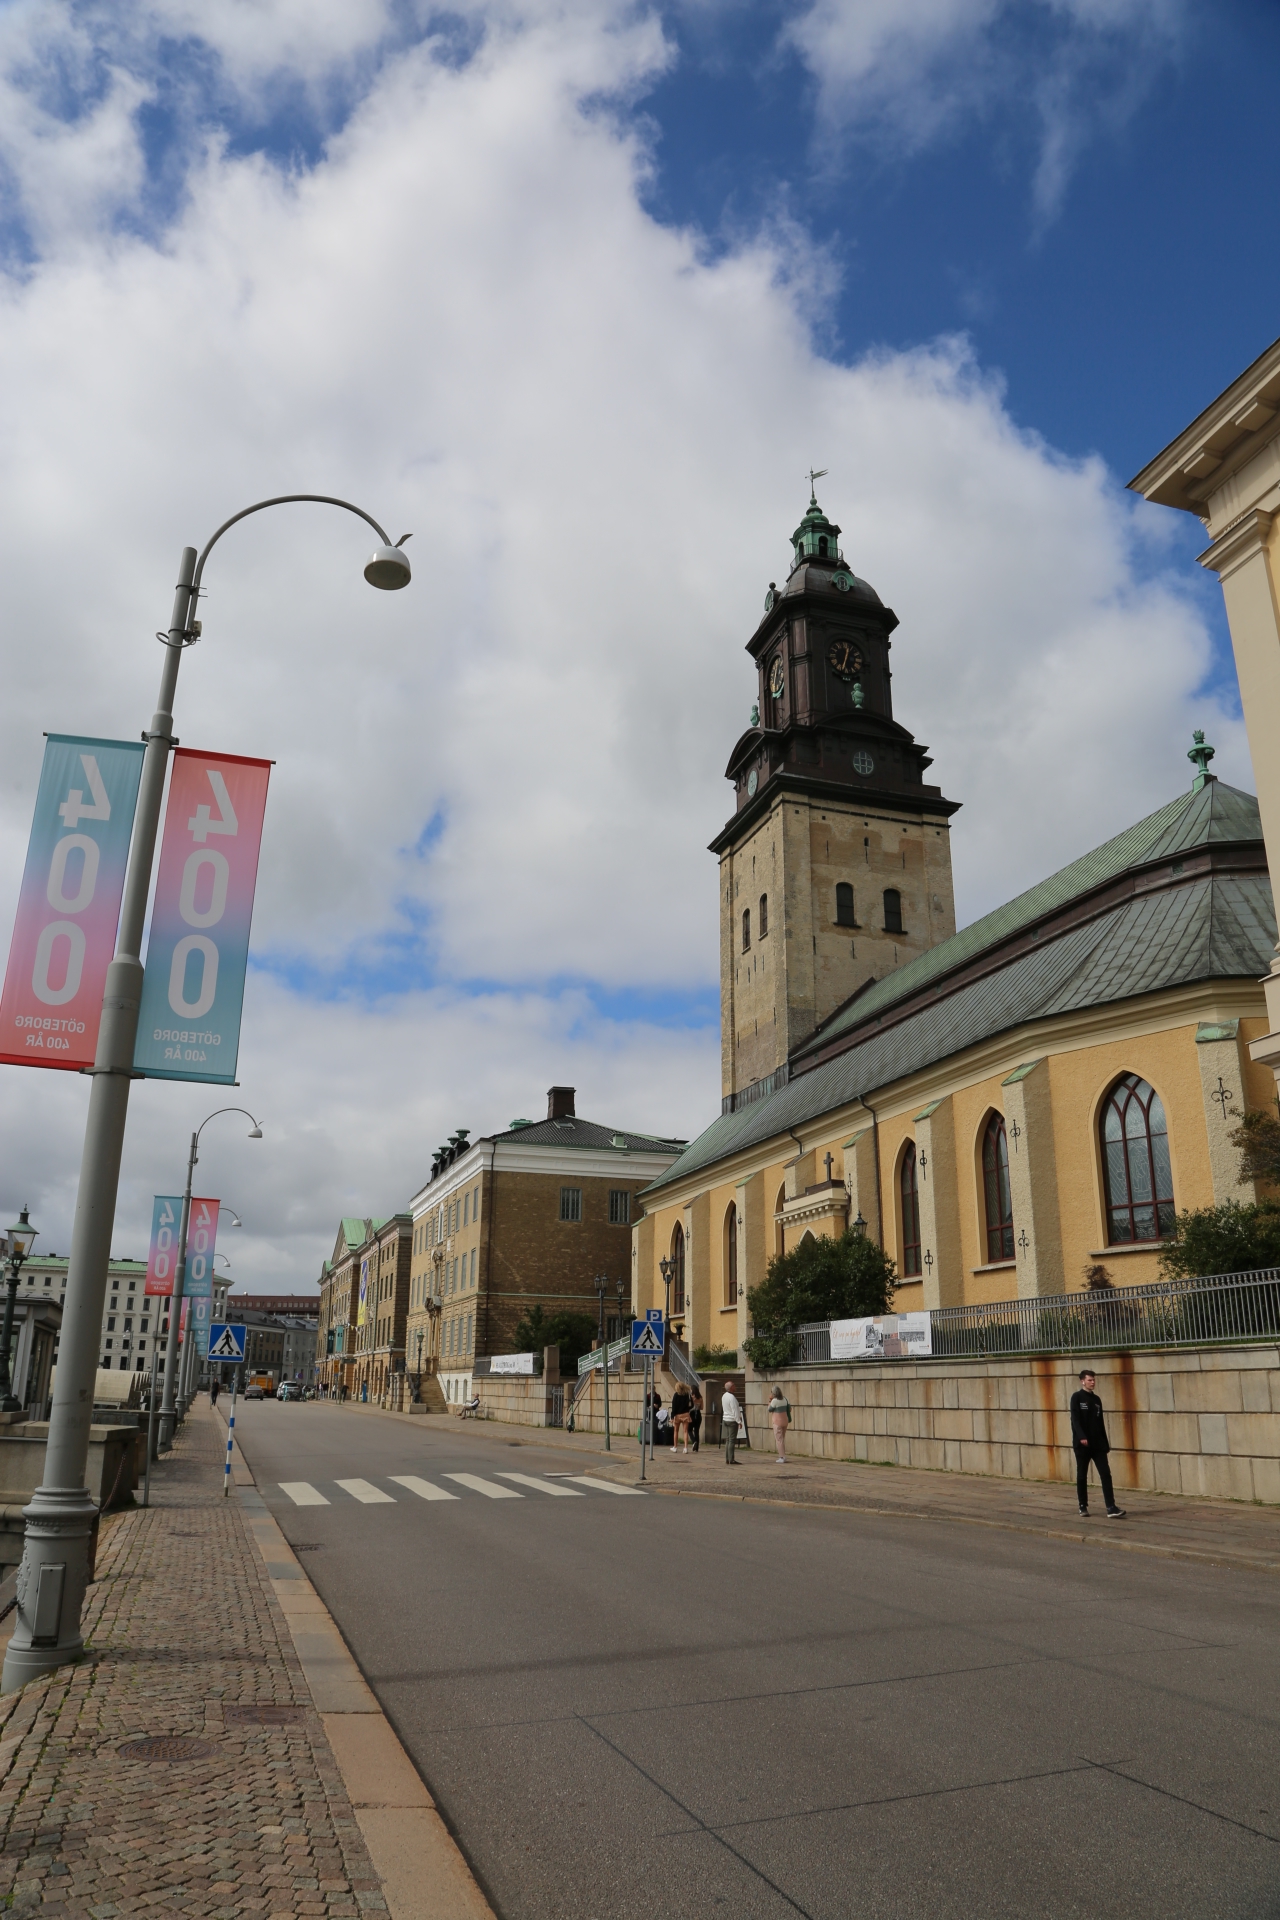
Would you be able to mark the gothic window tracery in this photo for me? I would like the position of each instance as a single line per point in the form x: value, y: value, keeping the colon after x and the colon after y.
x: 909, y: 1190
x: 1135, y: 1162
x: 998, y: 1202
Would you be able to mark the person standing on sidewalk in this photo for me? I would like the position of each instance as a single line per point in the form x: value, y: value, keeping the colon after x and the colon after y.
x: 695, y: 1416
x: 730, y: 1415
x: 214, y: 1384
x: 680, y: 1407
x: 780, y: 1420
x: 1089, y: 1442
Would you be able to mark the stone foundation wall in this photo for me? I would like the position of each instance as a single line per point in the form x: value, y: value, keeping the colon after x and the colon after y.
x: 1181, y: 1420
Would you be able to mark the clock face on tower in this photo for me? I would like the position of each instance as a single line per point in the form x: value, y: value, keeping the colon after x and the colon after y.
x: 777, y: 679
x: 846, y: 660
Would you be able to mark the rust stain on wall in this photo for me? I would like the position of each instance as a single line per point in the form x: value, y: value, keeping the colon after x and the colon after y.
x: 1126, y: 1406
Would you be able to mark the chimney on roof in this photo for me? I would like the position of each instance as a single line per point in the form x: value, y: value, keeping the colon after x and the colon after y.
x: 560, y: 1103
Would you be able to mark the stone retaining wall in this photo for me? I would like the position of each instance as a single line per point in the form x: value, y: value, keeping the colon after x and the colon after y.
x: 1181, y: 1420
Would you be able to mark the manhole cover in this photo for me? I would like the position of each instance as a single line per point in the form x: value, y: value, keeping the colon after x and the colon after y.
x: 263, y: 1716
x: 167, y: 1746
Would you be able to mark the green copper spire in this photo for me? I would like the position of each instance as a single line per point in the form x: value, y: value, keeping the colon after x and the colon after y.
x: 1200, y: 756
x: 816, y: 538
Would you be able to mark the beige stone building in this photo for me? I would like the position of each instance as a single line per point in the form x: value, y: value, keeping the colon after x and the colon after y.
x: 518, y: 1219
x: 1002, y: 1107
x: 1225, y: 469
x: 340, y: 1305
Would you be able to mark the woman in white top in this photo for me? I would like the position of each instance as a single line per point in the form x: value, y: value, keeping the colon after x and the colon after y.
x: 780, y: 1419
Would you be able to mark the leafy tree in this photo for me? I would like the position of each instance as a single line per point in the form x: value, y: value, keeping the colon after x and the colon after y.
x: 571, y: 1332
x: 1225, y: 1239
x: 1257, y: 1139
x: 818, y: 1280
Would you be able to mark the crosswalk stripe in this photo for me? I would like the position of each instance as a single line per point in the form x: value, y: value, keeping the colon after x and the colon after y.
x: 423, y: 1488
x: 303, y: 1494
x: 364, y: 1491
x: 604, y: 1486
x: 488, y: 1487
x: 541, y: 1486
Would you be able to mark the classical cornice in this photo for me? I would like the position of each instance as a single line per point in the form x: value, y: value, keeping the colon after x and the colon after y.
x: 1239, y: 543
x: 1226, y: 436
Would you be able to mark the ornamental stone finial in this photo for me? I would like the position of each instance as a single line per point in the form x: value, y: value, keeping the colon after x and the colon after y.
x: 1200, y: 755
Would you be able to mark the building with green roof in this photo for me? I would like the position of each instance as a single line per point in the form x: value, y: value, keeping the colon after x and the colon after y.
x: 1007, y: 1106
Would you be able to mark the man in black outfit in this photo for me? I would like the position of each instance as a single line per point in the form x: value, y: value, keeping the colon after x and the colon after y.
x: 1089, y: 1442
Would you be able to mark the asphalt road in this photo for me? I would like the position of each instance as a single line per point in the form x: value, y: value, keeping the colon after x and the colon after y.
x: 638, y: 1706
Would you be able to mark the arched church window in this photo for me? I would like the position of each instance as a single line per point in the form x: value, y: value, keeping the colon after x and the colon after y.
x: 731, y: 1255
x: 677, y: 1278
x: 892, y: 910
x: 764, y: 915
x: 822, y: 543
x: 746, y: 929
x: 995, y: 1190
x: 844, y: 905
x: 1135, y: 1161
x: 909, y: 1188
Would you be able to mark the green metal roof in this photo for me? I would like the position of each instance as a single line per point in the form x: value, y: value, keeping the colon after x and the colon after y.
x: 1215, y: 815
x: 1214, y: 927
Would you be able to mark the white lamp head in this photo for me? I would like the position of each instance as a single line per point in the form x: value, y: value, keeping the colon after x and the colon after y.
x: 388, y: 567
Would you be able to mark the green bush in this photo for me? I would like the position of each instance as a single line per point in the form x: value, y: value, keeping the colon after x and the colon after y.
x: 1225, y: 1239
x: 715, y: 1359
x: 573, y: 1333
x: 819, y: 1280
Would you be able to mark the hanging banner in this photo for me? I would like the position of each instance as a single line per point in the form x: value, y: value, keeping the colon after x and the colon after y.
x: 200, y: 1312
x: 162, y: 1257
x: 69, y: 906
x: 193, y: 989
x: 202, y: 1234
x: 895, y: 1336
x: 364, y: 1293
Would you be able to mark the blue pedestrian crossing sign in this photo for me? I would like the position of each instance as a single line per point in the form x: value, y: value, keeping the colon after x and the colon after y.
x: 646, y: 1334
x: 226, y: 1342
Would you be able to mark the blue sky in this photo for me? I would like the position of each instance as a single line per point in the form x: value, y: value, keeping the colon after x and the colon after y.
x: 577, y: 291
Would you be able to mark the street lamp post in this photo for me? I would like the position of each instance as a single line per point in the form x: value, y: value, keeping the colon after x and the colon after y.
x: 21, y: 1239
x: 419, y: 1375
x: 601, y: 1282
x: 667, y: 1268
x: 62, y: 1516
x: 168, y: 1408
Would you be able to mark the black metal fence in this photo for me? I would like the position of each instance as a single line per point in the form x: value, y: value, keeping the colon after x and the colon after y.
x: 1220, y: 1308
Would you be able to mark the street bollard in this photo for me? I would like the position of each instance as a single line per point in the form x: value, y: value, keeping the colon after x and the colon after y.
x: 231, y: 1434
x: 151, y: 1433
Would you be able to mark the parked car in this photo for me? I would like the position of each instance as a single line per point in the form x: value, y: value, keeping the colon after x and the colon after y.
x: 254, y: 1392
x: 289, y: 1390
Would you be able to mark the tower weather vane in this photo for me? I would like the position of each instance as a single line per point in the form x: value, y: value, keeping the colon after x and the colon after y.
x: 816, y: 474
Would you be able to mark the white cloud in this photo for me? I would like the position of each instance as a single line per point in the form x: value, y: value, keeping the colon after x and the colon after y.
x: 463, y: 318
x: 911, y: 72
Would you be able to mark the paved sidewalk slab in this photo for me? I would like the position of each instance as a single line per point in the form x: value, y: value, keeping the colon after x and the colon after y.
x: 189, y: 1636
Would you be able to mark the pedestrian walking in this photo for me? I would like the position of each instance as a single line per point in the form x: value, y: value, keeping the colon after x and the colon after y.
x: 695, y: 1417
x: 780, y: 1420
x: 214, y: 1385
x: 681, y: 1406
x: 1089, y: 1442
x: 730, y: 1415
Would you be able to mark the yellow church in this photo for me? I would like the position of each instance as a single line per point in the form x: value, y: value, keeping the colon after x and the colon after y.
x: 1002, y: 1107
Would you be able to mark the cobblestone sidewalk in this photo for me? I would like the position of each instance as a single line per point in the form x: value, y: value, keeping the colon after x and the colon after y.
x: 185, y: 1634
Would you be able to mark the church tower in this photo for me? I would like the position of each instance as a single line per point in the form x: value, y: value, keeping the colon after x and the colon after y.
x: 836, y: 865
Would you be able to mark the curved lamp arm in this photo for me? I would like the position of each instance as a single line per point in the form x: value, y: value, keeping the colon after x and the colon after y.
x: 284, y: 500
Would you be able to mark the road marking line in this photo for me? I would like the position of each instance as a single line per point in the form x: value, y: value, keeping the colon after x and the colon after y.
x: 487, y: 1487
x: 541, y: 1486
x: 303, y: 1494
x: 605, y: 1486
x: 423, y: 1488
x: 364, y: 1491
